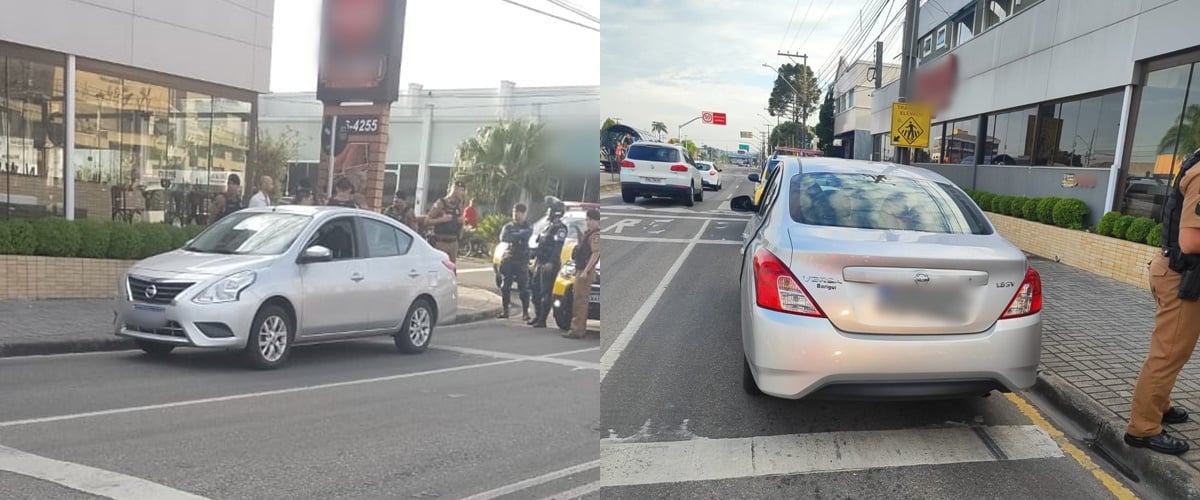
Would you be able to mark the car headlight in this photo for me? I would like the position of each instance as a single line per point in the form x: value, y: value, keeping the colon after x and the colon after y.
x: 568, y: 269
x: 228, y: 289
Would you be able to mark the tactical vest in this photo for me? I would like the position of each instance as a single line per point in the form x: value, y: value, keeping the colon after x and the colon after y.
x: 453, y: 227
x: 548, y: 250
x: 1172, y: 211
x: 583, y: 251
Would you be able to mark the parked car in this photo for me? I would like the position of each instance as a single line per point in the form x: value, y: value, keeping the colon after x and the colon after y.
x: 874, y: 280
x: 264, y: 280
x: 710, y: 175
x: 655, y: 169
x: 563, y: 295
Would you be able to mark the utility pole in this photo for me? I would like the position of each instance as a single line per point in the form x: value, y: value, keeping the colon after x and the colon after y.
x: 807, y: 99
x: 906, y: 63
x: 878, y: 65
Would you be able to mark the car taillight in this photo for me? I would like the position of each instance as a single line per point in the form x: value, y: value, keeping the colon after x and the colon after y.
x: 778, y: 290
x: 679, y: 168
x: 1028, y: 299
x: 450, y: 265
x: 712, y: 172
x: 627, y: 164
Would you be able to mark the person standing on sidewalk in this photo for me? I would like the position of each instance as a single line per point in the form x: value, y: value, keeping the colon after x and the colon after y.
x: 401, y: 211
x: 261, y: 198
x: 343, y: 194
x: 587, y: 254
x: 548, y: 260
x: 471, y: 215
x: 228, y: 202
x: 1176, y: 318
x: 514, y: 264
x: 446, y: 216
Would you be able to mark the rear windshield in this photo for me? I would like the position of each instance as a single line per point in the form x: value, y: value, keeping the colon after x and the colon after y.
x: 883, y: 202
x: 702, y: 166
x: 653, y: 153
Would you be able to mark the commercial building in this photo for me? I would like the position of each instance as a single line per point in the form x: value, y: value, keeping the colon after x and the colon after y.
x: 1093, y: 100
x: 426, y: 126
x: 121, y: 109
x: 852, y: 90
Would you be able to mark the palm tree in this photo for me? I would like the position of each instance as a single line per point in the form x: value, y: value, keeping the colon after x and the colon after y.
x: 502, y: 162
x: 1184, y: 137
x: 659, y: 128
x: 608, y: 122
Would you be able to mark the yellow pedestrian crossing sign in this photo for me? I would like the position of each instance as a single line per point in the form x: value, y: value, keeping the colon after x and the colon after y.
x: 910, y: 125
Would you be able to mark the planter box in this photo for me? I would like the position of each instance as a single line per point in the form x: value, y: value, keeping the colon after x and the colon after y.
x: 1114, y: 258
x: 35, y: 278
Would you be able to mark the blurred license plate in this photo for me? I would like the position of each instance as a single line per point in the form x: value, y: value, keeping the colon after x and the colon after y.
x: 653, y: 180
x: 594, y: 298
x: 945, y: 304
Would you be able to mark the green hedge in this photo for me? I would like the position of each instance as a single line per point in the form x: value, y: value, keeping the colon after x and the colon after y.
x: 55, y: 237
x: 1068, y: 213
x: 1045, y: 210
x: 1139, y: 229
x: 1108, y: 223
x: 1122, y: 226
x: 1154, y: 239
x: 1030, y: 210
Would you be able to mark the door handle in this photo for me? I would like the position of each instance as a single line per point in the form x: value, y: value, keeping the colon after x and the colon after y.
x: 414, y: 274
x: 356, y: 276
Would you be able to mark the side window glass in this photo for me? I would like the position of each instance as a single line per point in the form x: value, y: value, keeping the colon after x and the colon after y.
x: 404, y: 240
x: 769, y: 192
x: 338, y: 236
x: 382, y: 239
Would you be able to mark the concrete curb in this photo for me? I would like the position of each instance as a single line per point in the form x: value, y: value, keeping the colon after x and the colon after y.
x: 114, y: 343
x: 1168, y: 475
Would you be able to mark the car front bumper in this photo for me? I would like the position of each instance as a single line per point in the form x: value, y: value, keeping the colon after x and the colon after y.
x: 185, y: 323
x: 794, y: 357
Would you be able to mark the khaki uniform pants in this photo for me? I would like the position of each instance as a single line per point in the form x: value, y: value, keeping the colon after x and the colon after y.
x: 579, y: 303
x: 1176, y: 328
x: 450, y: 247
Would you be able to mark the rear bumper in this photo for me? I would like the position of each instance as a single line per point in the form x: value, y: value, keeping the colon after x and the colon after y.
x: 794, y: 357
x: 667, y: 190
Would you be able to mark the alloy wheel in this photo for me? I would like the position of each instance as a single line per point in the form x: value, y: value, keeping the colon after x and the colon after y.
x: 273, y: 338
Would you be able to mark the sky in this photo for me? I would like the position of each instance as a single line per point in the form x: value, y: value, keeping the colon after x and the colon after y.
x: 455, y: 44
x: 669, y: 60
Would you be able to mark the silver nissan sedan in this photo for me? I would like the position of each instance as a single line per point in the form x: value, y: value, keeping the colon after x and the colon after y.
x: 866, y: 280
x: 263, y: 280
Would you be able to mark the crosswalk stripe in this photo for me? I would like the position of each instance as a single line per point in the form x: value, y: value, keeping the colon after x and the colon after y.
x: 702, y: 459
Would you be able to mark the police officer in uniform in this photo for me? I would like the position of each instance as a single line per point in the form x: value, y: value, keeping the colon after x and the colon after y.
x: 1175, y: 283
x: 514, y: 264
x: 548, y: 260
x: 446, y: 217
x: 586, y: 257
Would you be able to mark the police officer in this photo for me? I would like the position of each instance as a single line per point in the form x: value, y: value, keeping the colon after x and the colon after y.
x: 514, y: 264
x: 548, y: 260
x: 586, y: 256
x: 1175, y: 283
x: 446, y: 217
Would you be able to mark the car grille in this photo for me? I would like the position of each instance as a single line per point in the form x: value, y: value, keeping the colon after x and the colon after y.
x: 164, y: 291
x: 173, y: 329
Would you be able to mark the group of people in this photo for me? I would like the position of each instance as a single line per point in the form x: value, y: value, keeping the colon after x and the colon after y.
x: 547, y: 262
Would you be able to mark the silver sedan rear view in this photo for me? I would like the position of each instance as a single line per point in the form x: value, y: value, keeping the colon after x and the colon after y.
x: 877, y: 281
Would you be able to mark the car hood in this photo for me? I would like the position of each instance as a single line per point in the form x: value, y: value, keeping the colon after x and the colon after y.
x: 182, y: 262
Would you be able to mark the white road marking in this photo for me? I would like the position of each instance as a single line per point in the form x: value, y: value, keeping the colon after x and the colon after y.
x: 621, y: 225
x: 646, y: 239
x: 626, y: 464
x: 635, y: 323
x: 574, y: 363
x: 90, y: 480
x: 475, y: 270
x: 734, y: 218
x: 534, y: 481
x: 574, y: 493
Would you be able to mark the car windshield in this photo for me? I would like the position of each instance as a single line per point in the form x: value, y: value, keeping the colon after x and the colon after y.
x: 653, y: 153
x: 249, y: 233
x: 883, y: 202
x: 703, y: 166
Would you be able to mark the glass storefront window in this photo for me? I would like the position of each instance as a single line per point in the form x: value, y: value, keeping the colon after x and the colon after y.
x: 1155, y: 156
x: 31, y: 136
x: 1008, y: 137
x: 958, y: 141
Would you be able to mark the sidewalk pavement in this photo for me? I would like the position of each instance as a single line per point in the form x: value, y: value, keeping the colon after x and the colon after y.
x: 29, y: 328
x: 1096, y: 333
x: 609, y: 182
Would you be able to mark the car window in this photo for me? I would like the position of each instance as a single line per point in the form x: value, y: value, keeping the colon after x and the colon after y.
x: 385, y: 240
x: 702, y: 166
x: 249, y: 233
x: 338, y: 236
x: 770, y: 192
x: 653, y: 153
x: 883, y: 202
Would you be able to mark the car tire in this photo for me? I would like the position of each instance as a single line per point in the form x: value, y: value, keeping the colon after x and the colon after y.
x: 700, y: 195
x: 156, y: 349
x: 691, y: 197
x: 271, y: 334
x: 627, y: 196
x: 417, y: 329
x: 562, y: 314
x: 748, y: 383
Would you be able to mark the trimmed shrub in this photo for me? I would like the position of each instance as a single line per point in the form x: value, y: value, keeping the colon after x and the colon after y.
x: 1029, y: 211
x: 94, y: 238
x: 5, y: 239
x: 1017, y: 208
x: 24, y: 241
x: 1122, y: 226
x: 1139, y: 229
x: 1154, y: 237
x: 155, y: 239
x: 124, y: 242
x: 1107, y: 223
x: 1000, y: 204
x: 985, y: 201
x: 1070, y: 213
x: 192, y: 231
x: 1045, y: 210
x: 56, y: 237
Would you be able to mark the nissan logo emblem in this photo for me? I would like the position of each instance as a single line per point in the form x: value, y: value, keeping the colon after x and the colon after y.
x: 919, y: 278
x: 151, y: 291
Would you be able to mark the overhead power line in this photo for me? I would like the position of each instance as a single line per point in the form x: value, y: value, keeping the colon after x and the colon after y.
x: 573, y: 8
x: 560, y: 18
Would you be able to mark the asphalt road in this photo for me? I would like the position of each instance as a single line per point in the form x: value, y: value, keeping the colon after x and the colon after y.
x: 492, y: 410
x: 677, y: 423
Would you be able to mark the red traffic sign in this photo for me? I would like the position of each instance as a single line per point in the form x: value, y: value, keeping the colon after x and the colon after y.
x: 712, y: 118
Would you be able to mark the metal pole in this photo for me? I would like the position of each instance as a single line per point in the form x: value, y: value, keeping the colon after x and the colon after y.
x: 910, y: 23
x: 332, y: 153
x: 69, y: 142
x: 878, y: 65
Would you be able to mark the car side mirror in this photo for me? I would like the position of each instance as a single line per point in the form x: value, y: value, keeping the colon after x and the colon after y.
x: 742, y: 204
x: 753, y: 178
x: 316, y: 253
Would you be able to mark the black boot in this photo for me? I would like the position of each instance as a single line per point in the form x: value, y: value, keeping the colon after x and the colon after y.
x: 505, y: 302
x: 525, y: 312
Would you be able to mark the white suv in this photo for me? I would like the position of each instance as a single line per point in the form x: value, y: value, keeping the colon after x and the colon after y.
x: 655, y: 169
